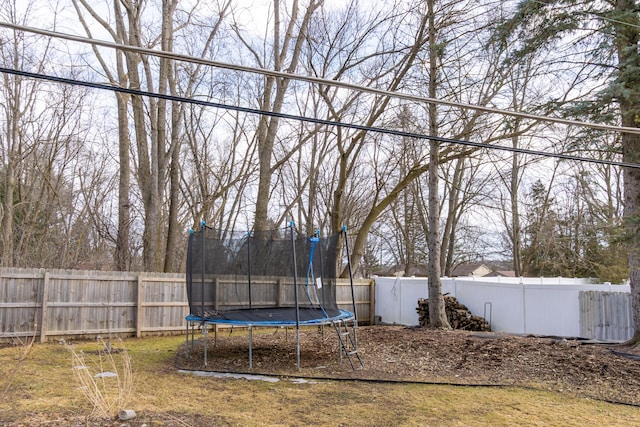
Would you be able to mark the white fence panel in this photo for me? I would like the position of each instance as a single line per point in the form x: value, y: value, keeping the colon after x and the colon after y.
x: 544, y: 306
x: 502, y: 304
x: 552, y: 310
x: 397, y: 299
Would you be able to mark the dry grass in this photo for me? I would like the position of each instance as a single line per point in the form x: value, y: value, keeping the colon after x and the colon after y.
x: 104, y: 377
x: 20, y: 348
x: 43, y: 393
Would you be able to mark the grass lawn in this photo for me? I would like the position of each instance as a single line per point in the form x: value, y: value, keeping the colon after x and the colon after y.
x: 40, y: 388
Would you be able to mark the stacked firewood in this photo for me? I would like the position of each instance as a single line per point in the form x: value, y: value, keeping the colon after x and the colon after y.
x: 458, y: 315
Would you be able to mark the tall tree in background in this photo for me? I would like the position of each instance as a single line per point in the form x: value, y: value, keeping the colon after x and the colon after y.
x: 437, y: 314
x: 626, y: 90
x: 16, y: 104
x: 289, y: 35
x: 123, y: 31
x: 154, y: 123
x: 542, y: 252
x: 599, y: 188
x: 521, y: 89
x: 614, y: 29
x: 43, y: 221
x: 348, y: 55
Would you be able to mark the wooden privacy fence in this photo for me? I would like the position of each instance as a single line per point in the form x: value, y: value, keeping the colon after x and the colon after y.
x: 63, y: 303
x: 606, y: 315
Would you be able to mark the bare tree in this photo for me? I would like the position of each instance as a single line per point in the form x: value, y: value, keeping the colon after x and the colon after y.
x: 156, y: 122
x: 40, y: 141
x: 341, y: 47
x: 437, y: 315
x: 288, y: 36
x: 18, y: 97
x: 219, y: 158
x: 460, y: 124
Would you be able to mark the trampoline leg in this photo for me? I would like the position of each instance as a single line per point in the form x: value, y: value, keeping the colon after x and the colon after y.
x: 204, y: 342
x: 250, y: 348
x: 298, y: 348
x: 187, y: 343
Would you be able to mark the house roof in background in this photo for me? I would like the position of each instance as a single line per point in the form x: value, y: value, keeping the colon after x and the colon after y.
x: 471, y: 269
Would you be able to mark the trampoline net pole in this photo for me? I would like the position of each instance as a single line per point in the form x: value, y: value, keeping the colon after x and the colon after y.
x: 189, y: 277
x: 322, y: 290
x: 186, y: 345
x: 203, y: 266
x: 249, y: 265
x: 204, y: 325
x: 295, y: 294
x: 353, y: 293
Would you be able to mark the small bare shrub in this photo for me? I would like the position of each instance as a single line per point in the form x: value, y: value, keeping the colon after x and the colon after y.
x: 23, y: 347
x: 104, y: 377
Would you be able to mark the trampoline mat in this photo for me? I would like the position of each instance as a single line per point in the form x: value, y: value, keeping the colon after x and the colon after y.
x: 273, y: 316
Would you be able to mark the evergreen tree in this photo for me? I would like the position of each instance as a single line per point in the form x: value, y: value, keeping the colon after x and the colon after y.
x: 608, y: 32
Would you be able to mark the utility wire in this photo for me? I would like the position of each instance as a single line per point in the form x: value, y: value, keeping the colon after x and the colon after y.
x: 312, y: 79
x: 313, y: 120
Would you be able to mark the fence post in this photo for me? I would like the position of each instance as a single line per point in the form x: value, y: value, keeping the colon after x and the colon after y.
x: 43, y: 311
x: 140, y: 305
x: 281, y: 295
x: 372, y: 302
x: 524, y: 308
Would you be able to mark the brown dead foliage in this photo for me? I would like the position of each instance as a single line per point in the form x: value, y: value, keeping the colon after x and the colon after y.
x: 395, y: 353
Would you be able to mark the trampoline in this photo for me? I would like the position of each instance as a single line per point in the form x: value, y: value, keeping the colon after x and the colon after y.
x: 272, y: 278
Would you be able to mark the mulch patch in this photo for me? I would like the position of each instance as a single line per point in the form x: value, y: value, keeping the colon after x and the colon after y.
x: 605, y: 371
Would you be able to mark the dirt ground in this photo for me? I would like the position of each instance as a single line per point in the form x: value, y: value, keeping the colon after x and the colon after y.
x: 603, y: 371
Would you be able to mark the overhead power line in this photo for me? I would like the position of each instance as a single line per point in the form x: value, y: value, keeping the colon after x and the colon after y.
x: 314, y: 120
x: 317, y: 80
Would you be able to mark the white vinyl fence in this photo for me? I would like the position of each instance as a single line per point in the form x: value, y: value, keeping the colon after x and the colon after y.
x: 542, y: 306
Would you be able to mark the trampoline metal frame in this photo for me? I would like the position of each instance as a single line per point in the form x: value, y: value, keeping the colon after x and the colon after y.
x: 192, y: 321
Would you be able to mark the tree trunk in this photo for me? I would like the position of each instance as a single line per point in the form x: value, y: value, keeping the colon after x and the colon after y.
x: 631, y: 144
x: 7, y: 207
x: 152, y: 145
x: 7, y: 213
x: 437, y: 315
x: 122, y: 256
x: 449, y: 234
x: 516, y: 239
x: 173, y: 232
x: 627, y: 38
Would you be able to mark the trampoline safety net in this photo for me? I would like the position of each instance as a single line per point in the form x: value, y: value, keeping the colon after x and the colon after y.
x: 259, y: 277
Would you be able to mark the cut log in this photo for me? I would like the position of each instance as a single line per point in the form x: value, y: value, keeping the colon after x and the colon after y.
x: 457, y: 313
